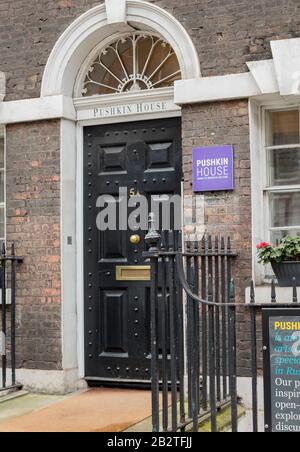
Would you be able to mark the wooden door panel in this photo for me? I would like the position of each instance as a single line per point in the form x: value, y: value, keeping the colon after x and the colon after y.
x: 114, y: 322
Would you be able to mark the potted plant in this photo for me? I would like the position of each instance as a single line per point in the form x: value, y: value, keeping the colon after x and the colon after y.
x: 284, y: 258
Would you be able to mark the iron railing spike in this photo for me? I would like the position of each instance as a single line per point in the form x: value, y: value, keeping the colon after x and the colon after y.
x: 210, y: 289
x: 252, y: 292
x: 171, y: 240
x: 273, y: 291
x: 229, y: 244
x: 203, y: 246
x: 295, y: 293
x: 179, y: 241
x: 153, y: 237
x: 209, y: 242
x: 216, y: 245
x: 232, y: 290
x: 196, y: 246
x: 163, y: 240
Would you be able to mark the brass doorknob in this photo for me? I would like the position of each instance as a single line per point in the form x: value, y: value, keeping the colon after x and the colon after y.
x: 135, y: 239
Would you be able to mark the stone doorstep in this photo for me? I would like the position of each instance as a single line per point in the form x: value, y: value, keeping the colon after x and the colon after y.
x: 223, y: 420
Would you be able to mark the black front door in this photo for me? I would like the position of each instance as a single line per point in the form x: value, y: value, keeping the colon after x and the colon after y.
x: 142, y: 158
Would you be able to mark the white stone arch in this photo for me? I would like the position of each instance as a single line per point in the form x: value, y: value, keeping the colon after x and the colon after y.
x: 93, y: 27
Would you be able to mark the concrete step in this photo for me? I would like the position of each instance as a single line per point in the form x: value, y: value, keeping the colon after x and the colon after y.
x: 10, y: 394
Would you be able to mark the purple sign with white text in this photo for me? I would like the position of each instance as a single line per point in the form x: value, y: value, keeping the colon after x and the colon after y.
x: 213, y: 169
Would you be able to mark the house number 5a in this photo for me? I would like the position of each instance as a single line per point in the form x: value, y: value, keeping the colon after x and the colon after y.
x: 133, y: 192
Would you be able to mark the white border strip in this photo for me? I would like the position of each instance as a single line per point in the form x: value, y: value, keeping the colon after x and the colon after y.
x: 211, y: 89
x: 44, y: 108
x: 261, y: 82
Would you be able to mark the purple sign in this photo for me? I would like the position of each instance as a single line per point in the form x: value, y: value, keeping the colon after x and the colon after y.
x: 213, y: 169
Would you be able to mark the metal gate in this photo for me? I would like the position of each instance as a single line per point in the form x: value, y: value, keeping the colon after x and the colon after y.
x: 8, y: 275
x: 202, y: 329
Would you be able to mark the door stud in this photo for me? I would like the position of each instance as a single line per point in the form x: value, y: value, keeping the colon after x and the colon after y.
x: 135, y: 239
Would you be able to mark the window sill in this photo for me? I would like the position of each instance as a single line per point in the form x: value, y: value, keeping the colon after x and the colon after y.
x: 8, y: 297
x: 263, y: 294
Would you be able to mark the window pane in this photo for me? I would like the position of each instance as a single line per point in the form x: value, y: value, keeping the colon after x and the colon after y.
x: 134, y: 62
x: 2, y: 223
x: 284, y: 128
x: 1, y: 151
x: 284, y: 166
x: 277, y: 236
x: 285, y: 209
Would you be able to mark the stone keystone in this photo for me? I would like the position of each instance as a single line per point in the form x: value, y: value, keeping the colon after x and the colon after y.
x: 116, y: 11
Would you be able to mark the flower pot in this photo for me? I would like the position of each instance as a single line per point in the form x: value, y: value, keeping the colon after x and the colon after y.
x: 285, y: 272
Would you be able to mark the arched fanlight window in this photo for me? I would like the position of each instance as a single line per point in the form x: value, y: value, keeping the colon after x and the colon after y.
x: 135, y: 62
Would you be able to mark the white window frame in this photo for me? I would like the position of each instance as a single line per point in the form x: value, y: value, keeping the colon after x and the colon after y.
x: 267, y: 189
x: 261, y: 212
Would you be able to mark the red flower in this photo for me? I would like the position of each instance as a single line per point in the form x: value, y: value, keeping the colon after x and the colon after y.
x: 262, y: 245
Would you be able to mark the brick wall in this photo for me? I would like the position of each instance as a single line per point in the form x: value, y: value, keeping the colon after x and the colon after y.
x: 226, y: 213
x: 226, y: 33
x: 33, y: 222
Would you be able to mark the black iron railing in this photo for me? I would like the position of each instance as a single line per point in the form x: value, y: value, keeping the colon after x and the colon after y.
x: 8, y: 274
x: 194, y: 333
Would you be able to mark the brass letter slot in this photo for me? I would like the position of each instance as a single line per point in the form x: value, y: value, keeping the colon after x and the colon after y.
x: 134, y: 273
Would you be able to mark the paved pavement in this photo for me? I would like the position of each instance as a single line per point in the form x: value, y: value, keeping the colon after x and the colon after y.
x: 246, y: 423
x: 96, y: 410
